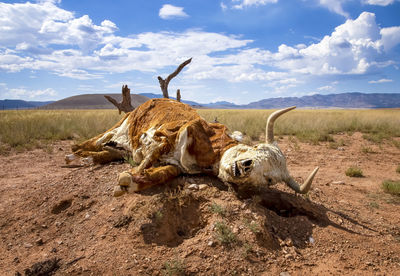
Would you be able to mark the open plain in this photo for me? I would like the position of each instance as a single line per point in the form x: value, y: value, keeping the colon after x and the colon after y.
x: 65, y: 221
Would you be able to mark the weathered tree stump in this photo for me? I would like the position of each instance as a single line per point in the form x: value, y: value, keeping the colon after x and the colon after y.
x: 164, y: 82
x: 125, y: 105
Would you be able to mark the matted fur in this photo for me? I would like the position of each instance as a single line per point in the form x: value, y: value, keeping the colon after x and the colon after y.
x: 166, y: 138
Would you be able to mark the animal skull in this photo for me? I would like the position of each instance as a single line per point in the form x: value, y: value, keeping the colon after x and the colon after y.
x: 262, y: 165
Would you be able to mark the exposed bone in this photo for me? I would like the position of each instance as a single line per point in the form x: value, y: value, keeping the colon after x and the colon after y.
x: 270, y: 123
x: 302, y: 189
x: 164, y: 83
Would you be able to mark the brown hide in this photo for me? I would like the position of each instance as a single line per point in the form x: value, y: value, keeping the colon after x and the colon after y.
x: 170, y: 117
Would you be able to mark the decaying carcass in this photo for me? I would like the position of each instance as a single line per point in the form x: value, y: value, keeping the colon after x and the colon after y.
x: 167, y: 138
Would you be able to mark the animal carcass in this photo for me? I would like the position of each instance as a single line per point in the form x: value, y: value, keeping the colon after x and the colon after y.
x: 167, y: 138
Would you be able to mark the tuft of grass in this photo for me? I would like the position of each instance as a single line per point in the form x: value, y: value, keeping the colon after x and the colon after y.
x: 354, y: 172
x: 217, y: 209
x: 391, y: 187
x: 224, y: 234
x: 128, y: 159
x: 398, y: 169
x: 174, y: 267
x: 367, y: 150
x: 376, y: 138
x: 396, y: 144
x: 373, y: 205
x: 336, y: 144
x: 247, y: 249
x: 253, y: 226
x: 293, y: 140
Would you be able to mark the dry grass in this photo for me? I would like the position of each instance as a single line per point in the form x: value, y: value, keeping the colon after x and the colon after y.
x: 312, y: 125
x: 32, y: 128
x: 36, y: 128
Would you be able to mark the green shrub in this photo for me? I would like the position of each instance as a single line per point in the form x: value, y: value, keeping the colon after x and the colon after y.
x: 354, y: 172
x: 391, y: 187
x: 217, y: 209
x: 224, y: 234
x: 174, y: 267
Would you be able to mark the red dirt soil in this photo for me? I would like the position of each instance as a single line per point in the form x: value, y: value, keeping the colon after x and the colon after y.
x: 64, y: 221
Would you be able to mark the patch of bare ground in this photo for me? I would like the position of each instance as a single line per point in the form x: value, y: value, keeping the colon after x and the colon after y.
x: 65, y: 220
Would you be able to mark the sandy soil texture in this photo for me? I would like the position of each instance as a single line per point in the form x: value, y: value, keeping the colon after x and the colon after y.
x: 64, y: 221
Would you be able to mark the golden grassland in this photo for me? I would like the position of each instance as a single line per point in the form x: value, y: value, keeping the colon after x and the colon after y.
x: 34, y: 128
x: 312, y: 125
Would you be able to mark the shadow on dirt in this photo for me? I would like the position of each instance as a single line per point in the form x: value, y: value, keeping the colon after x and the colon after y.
x: 285, y: 216
x: 293, y: 217
x: 178, y: 219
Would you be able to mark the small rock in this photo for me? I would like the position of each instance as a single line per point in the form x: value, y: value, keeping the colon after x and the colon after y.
x: 44, y: 226
x: 193, y: 187
x: 87, y: 216
x: 203, y: 186
x: 338, y: 182
x: 118, y: 191
x: 311, y: 240
x: 289, y: 242
x: 340, y: 148
x: 211, y: 243
x: 288, y: 256
x: 284, y: 273
x: 112, y: 209
x: 27, y: 245
x: 39, y: 241
x: 60, y: 242
x: 57, y: 224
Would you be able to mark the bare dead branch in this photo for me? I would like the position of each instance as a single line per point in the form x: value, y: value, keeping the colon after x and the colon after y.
x: 125, y: 105
x: 164, y: 83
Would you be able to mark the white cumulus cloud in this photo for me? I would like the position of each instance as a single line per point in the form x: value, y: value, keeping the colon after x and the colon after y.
x: 248, y: 3
x: 334, y: 6
x: 378, y: 2
x: 380, y: 81
x: 169, y: 11
x: 352, y: 48
x: 22, y: 93
x: 49, y: 38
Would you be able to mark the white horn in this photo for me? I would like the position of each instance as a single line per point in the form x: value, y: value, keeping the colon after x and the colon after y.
x: 302, y: 189
x: 270, y: 123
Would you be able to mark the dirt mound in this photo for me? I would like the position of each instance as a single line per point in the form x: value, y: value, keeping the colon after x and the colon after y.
x: 197, y: 225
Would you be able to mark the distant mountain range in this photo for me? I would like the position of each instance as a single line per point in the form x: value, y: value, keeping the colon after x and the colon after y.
x: 344, y: 100
x: 20, y: 104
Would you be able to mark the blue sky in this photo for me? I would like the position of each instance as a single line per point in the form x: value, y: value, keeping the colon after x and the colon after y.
x: 242, y: 50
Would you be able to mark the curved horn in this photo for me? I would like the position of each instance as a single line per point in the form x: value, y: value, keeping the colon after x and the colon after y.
x: 269, y: 135
x: 302, y: 189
